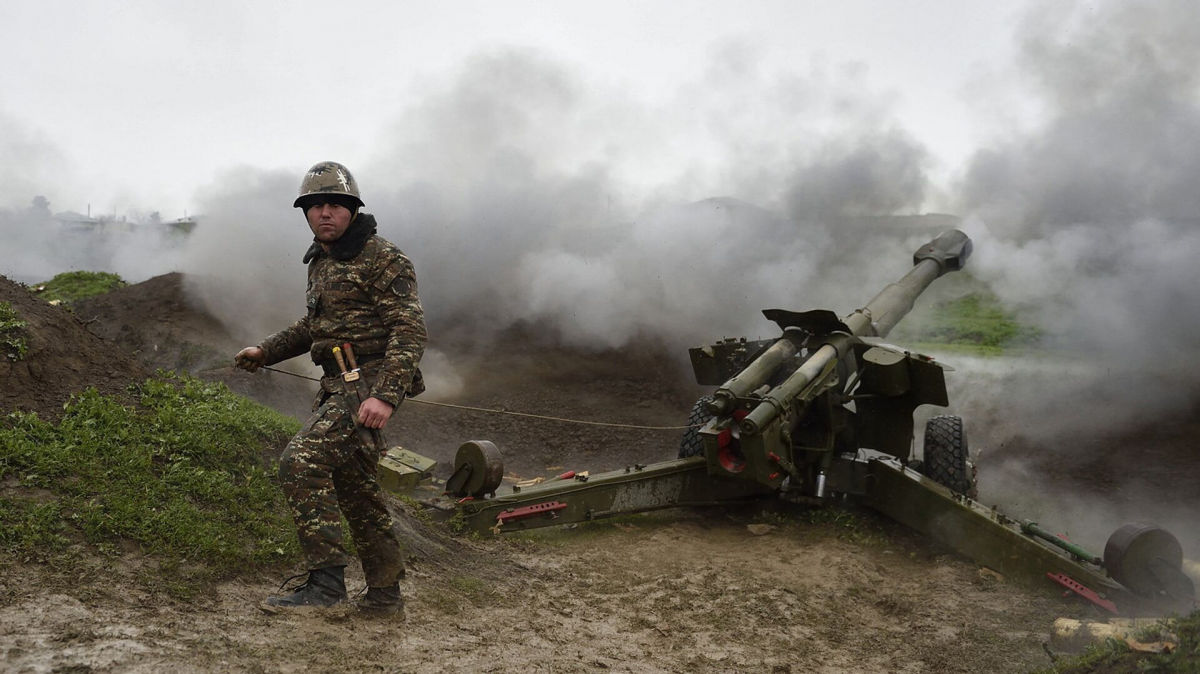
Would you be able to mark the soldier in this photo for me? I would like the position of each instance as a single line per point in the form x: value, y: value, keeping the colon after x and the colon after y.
x: 362, y: 291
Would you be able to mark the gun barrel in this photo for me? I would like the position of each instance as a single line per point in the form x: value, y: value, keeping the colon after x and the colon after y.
x: 946, y: 253
x: 753, y: 375
x: 776, y: 400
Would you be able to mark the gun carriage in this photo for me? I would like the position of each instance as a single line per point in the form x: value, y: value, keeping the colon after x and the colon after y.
x: 822, y: 415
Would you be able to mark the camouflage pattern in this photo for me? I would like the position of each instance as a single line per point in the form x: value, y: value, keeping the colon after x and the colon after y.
x: 370, y: 301
x: 326, y: 471
x: 362, y: 291
x: 328, y: 177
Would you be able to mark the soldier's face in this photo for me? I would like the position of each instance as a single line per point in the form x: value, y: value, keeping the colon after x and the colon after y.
x: 328, y: 221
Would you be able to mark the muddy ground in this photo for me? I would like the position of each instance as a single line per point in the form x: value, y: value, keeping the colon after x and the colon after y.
x: 696, y: 590
x: 686, y: 592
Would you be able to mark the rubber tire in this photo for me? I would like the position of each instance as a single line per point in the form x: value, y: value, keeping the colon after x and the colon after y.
x: 947, y: 458
x: 691, y: 444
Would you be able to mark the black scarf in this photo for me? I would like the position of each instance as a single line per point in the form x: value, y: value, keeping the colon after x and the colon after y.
x: 351, y: 242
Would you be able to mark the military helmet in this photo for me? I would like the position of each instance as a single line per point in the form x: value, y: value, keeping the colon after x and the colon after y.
x: 328, y: 178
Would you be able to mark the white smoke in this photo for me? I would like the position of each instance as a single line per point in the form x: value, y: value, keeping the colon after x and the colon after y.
x: 39, y: 243
x: 32, y: 164
x: 244, y: 260
x: 1088, y: 224
x: 523, y: 193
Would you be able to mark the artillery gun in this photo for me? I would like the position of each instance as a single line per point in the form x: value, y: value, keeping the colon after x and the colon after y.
x: 823, y: 415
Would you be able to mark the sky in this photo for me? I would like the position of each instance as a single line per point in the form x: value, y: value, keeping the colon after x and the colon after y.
x: 616, y: 171
x: 141, y: 103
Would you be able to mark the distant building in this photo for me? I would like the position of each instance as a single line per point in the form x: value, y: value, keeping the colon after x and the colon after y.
x: 71, y: 220
x: 183, y: 225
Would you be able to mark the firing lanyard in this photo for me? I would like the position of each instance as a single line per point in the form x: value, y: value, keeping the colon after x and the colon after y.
x: 509, y: 413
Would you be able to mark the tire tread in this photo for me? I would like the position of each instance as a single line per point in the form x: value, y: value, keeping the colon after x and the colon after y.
x: 947, y: 458
x: 691, y: 444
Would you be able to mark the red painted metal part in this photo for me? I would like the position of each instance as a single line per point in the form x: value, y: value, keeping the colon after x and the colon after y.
x: 1083, y: 591
x: 546, y: 508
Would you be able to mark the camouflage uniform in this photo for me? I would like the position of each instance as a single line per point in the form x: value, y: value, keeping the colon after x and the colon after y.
x: 362, y: 291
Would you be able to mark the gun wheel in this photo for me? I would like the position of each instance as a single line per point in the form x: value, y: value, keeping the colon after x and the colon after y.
x: 691, y: 444
x: 478, y: 469
x: 947, y: 459
x: 1149, y: 560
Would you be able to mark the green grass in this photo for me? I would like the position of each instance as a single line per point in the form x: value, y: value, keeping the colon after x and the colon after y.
x: 181, y: 476
x: 76, y: 285
x: 973, y: 322
x: 12, y: 333
x: 1115, y: 656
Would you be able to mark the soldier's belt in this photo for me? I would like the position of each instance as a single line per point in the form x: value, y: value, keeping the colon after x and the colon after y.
x: 366, y: 349
x: 331, y: 369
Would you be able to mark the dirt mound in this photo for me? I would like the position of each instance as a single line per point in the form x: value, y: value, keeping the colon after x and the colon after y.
x: 63, y: 358
x: 155, y: 322
x: 159, y: 324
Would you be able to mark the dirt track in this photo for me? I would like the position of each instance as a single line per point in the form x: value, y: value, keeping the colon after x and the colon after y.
x: 691, y: 591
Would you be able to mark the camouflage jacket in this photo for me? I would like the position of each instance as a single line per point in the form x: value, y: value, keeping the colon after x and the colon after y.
x: 362, y: 291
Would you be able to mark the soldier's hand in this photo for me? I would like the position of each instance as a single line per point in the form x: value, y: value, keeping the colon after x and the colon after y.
x: 374, y: 413
x: 250, y: 358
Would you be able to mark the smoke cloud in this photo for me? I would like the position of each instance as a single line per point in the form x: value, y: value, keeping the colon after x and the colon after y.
x: 1089, y: 224
x: 1119, y: 87
x: 43, y: 237
x: 526, y: 193
x: 32, y: 164
x: 244, y: 261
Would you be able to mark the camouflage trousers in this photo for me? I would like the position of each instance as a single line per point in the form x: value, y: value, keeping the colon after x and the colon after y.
x: 326, y: 471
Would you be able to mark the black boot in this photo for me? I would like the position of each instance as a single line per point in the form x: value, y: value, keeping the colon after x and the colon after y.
x: 323, y: 588
x: 382, y: 601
